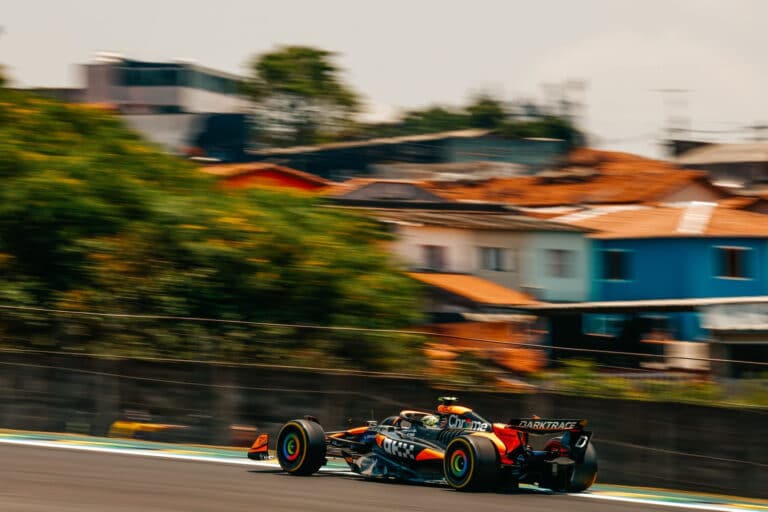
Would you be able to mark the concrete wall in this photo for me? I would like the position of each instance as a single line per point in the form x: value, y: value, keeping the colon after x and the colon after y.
x: 638, y: 443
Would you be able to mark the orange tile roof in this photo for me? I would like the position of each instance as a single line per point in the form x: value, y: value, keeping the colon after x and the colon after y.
x: 738, y: 202
x: 673, y: 222
x: 474, y: 288
x: 727, y: 222
x: 241, y: 169
x: 591, y: 177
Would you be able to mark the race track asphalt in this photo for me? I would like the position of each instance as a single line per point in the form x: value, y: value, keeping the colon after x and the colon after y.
x: 37, y: 479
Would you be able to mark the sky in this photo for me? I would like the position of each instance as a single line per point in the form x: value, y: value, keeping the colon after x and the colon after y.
x: 403, y: 54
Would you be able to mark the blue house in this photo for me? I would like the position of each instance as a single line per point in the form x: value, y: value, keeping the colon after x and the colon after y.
x: 698, y: 250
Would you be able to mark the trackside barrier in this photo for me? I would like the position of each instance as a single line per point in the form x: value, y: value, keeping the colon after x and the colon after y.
x: 665, y: 444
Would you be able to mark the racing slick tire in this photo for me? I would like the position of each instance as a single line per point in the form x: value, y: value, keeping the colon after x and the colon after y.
x: 576, y: 477
x: 301, y: 447
x: 471, y: 463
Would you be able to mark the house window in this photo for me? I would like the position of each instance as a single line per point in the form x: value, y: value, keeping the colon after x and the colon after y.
x: 657, y: 328
x: 603, y: 325
x: 616, y: 265
x: 434, y: 257
x: 492, y: 258
x: 560, y: 262
x: 732, y: 262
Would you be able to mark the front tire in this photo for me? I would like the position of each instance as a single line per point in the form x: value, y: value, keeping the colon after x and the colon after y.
x: 470, y: 464
x: 301, y: 447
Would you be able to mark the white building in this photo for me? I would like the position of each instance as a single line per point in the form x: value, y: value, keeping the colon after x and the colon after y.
x: 175, y: 104
x: 142, y: 87
x: 545, y: 259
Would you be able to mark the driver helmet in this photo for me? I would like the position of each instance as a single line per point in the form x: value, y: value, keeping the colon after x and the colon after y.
x: 430, y: 420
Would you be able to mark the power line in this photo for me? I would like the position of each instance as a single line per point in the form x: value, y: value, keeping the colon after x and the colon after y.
x: 676, y: 452
x: 180, y: 382
x: 231, y: 364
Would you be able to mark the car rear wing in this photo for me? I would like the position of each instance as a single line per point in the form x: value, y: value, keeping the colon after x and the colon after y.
x: 546, y: 425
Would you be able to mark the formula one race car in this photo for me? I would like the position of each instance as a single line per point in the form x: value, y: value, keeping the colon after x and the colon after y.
x: 454, y: 445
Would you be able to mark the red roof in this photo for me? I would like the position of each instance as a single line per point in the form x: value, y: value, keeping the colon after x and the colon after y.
x: 264, y: 174
x: 589, y: 177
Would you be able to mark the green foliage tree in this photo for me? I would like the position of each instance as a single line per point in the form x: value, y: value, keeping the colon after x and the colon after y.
x: 433, y: 119
x: 300, y: 95
x: 94, y: 219
x: 301, y: 99
x: 547, y: 127
x: 485, y: 112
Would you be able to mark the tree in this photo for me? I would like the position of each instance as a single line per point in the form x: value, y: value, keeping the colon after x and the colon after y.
x: 547, y: 127
x: 434, y: 119
x: 485, y: 111
x: 300, y: 95
x: 93, y: 219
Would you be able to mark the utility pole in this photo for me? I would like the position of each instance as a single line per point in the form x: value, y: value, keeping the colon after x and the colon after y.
x: 565, y: 99
x: 677, y: 123
x: 676, y: 112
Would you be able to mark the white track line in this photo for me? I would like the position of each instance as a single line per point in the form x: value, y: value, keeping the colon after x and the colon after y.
x: 158, y: 454
x: 247, y: 462
x: 691, y: 506
x: 133, y: 451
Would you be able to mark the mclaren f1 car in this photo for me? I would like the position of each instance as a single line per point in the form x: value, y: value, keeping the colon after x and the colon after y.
x: 454, y: 445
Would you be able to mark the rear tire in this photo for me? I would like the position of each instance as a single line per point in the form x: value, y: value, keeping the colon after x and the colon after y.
x: 470, y: 464
x: 301, y: 447
x: 576, y: 477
